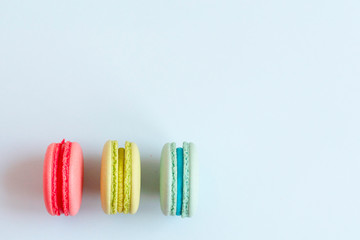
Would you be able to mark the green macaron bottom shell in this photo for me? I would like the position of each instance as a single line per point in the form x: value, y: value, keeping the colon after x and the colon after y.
x: 186, y: 181
x: 194, y: 179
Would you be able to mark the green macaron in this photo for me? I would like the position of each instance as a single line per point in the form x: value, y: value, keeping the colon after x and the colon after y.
x: 178, y: 179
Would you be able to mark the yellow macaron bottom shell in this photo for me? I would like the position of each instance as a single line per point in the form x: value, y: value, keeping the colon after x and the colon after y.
x: 135, y: 178
x: 120, y: 179
x: 127, y: 178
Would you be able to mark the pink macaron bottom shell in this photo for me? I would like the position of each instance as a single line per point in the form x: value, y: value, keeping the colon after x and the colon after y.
x: 76, y: 176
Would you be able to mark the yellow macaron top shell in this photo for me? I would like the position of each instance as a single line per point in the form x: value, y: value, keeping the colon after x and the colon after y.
x: 105, y: 178
x: 114, y: 176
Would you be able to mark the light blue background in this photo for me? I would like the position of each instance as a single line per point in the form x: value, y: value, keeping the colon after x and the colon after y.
x: 269, y: 91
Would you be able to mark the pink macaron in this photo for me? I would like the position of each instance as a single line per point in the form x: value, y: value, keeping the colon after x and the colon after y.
x: 63, y: 178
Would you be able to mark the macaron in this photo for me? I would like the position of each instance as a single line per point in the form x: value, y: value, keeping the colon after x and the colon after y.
x: 63, y: 178
x: 120, y: 178
x: 179, y: 179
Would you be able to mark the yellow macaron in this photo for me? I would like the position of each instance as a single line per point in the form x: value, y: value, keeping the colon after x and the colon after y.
x: 120, y: 178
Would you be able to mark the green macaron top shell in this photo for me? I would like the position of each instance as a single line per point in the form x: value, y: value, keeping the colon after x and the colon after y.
x: 173, y: 160
x: 168, y: 177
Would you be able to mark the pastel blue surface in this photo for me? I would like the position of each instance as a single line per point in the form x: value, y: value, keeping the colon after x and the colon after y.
x: 274, y: 83
x: 180, y: 171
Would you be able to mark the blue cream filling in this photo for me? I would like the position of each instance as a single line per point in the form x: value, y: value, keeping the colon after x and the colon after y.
x: 180, y: 172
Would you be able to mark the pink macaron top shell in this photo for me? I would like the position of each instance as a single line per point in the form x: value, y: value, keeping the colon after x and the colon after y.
x: 63, y: 178
x: 47, y: 178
